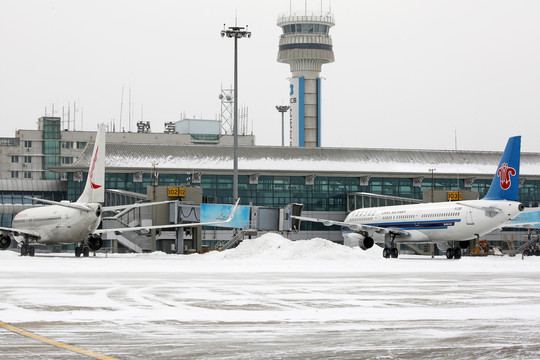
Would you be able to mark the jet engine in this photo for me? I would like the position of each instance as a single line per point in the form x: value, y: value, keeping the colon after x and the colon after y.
x: 356, y: 239
x: 366, y: 243
x: 95, y: 243
x: 5, y: 241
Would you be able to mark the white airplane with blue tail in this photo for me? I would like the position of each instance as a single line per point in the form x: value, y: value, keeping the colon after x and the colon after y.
x: 450, y: 225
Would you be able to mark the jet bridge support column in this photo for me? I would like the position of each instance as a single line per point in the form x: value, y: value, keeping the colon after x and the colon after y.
x: 179, y: 241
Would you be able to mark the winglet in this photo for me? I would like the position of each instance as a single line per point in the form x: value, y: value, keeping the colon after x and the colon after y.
x: 505, y: 184
x: 233, y: 211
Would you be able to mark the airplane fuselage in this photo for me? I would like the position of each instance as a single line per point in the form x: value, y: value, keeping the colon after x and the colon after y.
x: 433, y: 222
x: 59, y: 225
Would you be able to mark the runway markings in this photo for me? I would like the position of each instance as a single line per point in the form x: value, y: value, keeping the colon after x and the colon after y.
x: 54, y: 342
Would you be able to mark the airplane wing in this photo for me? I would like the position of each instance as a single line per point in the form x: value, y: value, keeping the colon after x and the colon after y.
x: 122, y: 207
x: 171, y: 226
x: 510, y: 225
x: 19, y: 232
x: 356, y: 227
x: 83, y: 207
x: 71, y: 205
x: 528, y: 219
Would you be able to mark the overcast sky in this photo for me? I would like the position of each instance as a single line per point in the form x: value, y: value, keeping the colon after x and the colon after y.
x: 408, y: 74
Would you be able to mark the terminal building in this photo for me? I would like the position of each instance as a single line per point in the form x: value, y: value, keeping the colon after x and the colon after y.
x: 329, y: 182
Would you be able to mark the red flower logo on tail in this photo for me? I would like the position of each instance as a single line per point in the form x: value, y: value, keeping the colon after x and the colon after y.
x: 504, y: 174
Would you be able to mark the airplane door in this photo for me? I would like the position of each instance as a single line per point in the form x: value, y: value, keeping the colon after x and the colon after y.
x: 470, y: 220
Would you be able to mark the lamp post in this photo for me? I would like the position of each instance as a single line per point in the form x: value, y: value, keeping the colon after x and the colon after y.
x: 432, y: 183
x: 235, y: 32
x: 282, y: 109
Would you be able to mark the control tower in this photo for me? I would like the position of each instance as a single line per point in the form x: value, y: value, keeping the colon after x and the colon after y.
x: 305, y: 45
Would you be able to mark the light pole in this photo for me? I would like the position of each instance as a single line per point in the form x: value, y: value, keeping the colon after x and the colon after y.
x: 235, y: 32
x: 432, y: 183
x: 282, y: 109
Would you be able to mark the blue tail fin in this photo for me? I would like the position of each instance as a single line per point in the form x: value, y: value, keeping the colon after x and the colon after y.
x: 505, y: 184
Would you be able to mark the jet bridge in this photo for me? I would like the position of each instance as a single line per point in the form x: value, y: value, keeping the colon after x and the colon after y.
x: 248, y: 221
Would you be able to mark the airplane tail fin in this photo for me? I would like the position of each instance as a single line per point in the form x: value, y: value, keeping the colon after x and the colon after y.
x: 505, y: 184
x: 94, y: 190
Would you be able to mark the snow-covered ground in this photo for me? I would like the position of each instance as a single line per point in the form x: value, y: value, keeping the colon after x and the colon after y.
x: 272, y: 298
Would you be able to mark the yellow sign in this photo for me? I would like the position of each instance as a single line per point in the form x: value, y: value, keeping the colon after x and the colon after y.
x: 454, y: 195
x: 176, y: 192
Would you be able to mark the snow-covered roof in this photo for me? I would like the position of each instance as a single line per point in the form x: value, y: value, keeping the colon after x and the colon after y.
x: 32, y: 185
x: 296, y: 160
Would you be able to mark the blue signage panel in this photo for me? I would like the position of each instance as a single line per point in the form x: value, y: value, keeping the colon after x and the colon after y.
x: 532, y: 217
x: 217, y: 212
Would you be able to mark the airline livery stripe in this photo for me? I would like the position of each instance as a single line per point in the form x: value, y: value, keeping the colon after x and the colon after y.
x: 54, y: 342
x: 416, y: 225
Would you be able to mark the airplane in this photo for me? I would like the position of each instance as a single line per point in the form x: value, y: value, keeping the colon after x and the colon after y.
x: 64, y: 222
x: 450, y: 225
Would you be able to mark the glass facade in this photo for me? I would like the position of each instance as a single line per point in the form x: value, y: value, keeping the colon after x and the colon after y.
x: 327, y: 193
x: 51, y: 146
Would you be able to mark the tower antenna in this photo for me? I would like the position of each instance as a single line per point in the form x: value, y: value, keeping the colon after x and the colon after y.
x: 130, y: 110
x: 121, y: 105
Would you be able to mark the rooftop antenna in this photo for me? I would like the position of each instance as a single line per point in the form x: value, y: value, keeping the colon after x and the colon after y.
x: 121, y: 104
x: 130, y: 110
x: 69, y: 116
x: 75, y: 110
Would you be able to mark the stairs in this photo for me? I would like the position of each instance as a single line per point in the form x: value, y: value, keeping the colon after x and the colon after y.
x: 237, y: 238
x: 531, y: 241
x: 133, y: 240
x: 424, y: 250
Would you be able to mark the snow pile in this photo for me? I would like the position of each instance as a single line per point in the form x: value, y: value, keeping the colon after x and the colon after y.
x: 276, y: 247
x: 8, y: 253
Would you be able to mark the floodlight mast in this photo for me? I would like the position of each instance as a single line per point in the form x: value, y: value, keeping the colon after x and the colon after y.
x: 236, y: 32
x: 282, y: 109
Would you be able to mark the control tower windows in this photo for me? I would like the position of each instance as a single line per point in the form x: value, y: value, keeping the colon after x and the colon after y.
x: 305, y: 29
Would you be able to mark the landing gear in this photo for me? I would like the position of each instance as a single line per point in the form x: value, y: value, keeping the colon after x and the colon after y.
x: 27, y: 250
x: 453, y: 253
x: 390, y: 250
x: 83, y: 250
